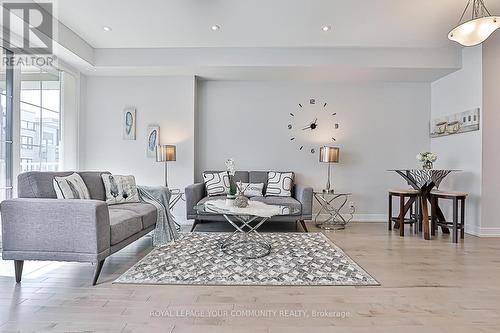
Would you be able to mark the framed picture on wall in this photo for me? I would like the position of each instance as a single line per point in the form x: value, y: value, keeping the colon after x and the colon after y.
x: 457, y: 123
x: 129, y: 114
x: 152, y: 139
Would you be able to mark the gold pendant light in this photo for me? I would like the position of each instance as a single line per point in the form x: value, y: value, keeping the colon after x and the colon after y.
x: 478, y: 28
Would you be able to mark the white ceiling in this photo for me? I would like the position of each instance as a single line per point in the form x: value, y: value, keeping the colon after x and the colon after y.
x: 263, y: 23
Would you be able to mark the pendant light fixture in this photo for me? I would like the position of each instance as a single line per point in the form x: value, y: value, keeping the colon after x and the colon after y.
x: 478, y: 28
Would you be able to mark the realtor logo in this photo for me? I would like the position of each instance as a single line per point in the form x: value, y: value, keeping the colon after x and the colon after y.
x: 27, y: 27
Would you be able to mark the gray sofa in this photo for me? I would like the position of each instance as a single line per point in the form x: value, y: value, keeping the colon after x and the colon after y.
x: 37, y: 226
x: 302, y: 198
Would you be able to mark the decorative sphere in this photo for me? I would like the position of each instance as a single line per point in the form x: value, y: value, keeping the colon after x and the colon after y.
x: 241, y: 201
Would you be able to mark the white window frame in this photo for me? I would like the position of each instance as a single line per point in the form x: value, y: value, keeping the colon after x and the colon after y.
x: 68, y: 155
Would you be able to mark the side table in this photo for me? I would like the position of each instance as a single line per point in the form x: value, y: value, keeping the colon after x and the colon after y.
x: 176, y: 195
x: 332, y: 204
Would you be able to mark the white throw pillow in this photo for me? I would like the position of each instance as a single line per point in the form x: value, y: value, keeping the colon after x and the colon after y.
x: 120, y: 189
x: 279, y: 184
x: 216, y: 183
x: 71, y: 187
x: 253, y: 189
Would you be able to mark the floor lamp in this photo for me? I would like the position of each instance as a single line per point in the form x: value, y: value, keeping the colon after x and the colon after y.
x: 329, y: 155
x: 165, y: 154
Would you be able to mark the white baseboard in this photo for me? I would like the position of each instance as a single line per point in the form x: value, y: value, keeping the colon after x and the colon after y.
x: 370, y: 218
x: 469, y: 229
x: 356, y: 218
x: 359, y: 217
x: 482, y: 232
x: 473, y: 230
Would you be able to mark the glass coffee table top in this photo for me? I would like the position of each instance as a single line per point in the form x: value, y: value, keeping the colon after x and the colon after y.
x: 254, y: 208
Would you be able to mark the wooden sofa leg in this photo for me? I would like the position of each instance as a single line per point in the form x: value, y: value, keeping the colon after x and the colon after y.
x: 195, y: 223
x: 97, y: 271
x: 303, y: 224
x: 18, y: 267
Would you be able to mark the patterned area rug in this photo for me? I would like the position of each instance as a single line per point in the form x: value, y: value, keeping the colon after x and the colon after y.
x: 296, y: 259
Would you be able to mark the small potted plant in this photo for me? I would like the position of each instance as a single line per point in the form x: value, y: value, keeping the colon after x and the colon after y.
x: 427, y: 158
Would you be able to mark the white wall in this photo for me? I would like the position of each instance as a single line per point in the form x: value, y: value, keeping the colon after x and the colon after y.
x: 457, y: 92
x: 382, y: 126
x: 166, y: 101
x: 70, y: 119
x: 491, y: 158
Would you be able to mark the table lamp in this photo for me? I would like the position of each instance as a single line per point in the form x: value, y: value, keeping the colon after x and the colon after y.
x: 165, y: 153
x: 329, y: 155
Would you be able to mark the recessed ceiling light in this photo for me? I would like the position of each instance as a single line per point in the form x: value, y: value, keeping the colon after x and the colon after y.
x: 106, y: 28
x: 326, y: 28
x: 215, y: 27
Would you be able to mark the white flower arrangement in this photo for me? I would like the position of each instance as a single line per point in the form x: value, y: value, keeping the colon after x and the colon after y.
x: 426, y: 156
x: 230, y: 166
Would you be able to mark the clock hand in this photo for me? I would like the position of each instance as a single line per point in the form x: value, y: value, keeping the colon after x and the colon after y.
x: 314, y: 124
x: 311, y: 125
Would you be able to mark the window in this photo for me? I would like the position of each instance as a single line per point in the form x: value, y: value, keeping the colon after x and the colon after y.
x: 40, y: 120
x: 27, y: 164
x: 6, y: 91
x: 28, y: 125
x: 26, y: 142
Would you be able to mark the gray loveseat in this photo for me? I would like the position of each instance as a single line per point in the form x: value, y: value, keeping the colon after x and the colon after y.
x: 302, y: 198
x: 37, y: 226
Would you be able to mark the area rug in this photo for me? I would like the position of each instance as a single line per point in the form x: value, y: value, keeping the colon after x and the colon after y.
x: 296, y: 259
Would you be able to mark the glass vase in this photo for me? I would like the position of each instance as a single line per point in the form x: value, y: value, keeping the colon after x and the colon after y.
x: 232, y: 187
x: 427, y: 165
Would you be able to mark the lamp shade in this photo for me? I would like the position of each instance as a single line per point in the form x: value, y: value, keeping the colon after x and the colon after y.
x: 475, y: 32
x: 165, y: 153
x: 329, y: 154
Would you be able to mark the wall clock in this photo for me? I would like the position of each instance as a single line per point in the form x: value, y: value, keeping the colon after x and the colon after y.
x: 312, y: 122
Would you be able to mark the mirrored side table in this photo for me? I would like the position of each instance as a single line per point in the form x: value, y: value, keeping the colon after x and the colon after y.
x: 330, y: 217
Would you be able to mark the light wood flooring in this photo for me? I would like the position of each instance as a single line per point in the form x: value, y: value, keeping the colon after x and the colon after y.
x: 426, y: 286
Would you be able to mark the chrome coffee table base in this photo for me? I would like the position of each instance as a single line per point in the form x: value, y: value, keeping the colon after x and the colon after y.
x: 246, y: 242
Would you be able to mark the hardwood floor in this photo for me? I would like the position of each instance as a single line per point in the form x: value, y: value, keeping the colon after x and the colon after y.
x: 426, y: 286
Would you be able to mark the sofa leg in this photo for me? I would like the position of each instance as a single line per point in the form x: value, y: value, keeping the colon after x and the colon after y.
x: 303, y: 224
x: 18, y: 267
x: 195, y: 223
x: 97, y: 271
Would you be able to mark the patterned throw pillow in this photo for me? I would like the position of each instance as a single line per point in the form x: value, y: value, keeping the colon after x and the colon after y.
x: 216, y: 183
x: 279, y: 184
x: 71, y: 187
x: 120, y: 189
x: 253, y: 189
